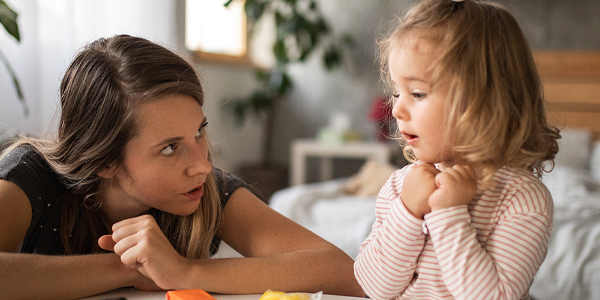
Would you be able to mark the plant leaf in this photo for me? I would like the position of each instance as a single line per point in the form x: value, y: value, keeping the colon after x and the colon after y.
x: 332, y: 58
x: 254, y: 9
x: 8, y: 19
x: 348, y: 40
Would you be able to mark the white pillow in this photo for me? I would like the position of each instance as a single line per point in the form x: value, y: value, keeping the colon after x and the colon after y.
x: 574, y: 148
x: 595, y: 161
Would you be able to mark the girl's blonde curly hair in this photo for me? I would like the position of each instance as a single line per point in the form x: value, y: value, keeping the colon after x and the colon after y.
x: 495, y: 108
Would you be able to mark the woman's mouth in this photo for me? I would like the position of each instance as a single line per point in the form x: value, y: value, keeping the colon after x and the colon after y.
x: 196, y: 193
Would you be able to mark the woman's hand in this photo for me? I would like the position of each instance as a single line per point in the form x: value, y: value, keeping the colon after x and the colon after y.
x: 142, y: 245
x: 419, y: 184
x: 456, y: 185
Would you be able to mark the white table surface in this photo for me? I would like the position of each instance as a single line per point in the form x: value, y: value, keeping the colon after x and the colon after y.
x: 133, y: 294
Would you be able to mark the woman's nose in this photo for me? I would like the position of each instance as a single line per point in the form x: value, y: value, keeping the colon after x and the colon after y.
x: 199, y: 163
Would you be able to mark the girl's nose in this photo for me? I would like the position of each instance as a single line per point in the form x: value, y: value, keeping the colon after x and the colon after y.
x: 399, y: 110
x: 199, y: 163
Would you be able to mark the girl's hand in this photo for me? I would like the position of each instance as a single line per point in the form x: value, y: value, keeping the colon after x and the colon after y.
x: 455, y: 186
x: 418, y: 186
x: 142, y: 246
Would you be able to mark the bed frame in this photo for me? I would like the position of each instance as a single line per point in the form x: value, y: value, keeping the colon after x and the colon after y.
x: 571, y: 87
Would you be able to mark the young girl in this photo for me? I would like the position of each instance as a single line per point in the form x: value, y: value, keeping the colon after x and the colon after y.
x: 470, y: 219
x: 126, y: 195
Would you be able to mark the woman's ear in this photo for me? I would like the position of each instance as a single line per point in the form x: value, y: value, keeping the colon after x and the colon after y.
x: 107, y: 172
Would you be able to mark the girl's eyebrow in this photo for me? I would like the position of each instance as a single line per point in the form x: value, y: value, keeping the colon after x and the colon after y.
x: 177, y: 138
x: 413, y: 78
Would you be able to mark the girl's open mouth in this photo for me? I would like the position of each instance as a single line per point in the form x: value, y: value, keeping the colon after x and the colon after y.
x: 410, y: 138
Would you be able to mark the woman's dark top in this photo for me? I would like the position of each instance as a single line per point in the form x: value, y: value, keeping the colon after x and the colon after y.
x: 26, y: 168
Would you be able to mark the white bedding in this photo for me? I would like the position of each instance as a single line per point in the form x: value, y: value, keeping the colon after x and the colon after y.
x: 571, y: 269
x: 343, y: 220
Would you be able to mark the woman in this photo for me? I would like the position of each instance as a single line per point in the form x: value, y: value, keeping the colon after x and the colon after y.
x: 126, y: 195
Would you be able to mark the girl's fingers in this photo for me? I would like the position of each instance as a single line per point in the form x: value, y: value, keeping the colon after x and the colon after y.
x: 466, y: 173
x: 457, y: 173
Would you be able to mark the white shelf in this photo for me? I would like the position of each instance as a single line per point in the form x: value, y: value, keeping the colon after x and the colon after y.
x: 302, y: 149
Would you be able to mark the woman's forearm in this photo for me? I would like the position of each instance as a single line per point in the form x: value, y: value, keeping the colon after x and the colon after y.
x: 31, y: 276
x: 325, y: 269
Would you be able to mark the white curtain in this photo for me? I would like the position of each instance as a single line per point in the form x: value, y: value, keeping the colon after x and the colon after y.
x: 52, y: 32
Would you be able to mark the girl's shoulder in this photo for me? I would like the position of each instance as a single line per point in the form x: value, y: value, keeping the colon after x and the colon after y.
x: 393, y: 186
x: 521, y: 190
x: 513, y: 178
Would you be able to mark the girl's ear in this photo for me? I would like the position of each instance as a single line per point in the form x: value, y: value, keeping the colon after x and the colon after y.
x: 107, y: 172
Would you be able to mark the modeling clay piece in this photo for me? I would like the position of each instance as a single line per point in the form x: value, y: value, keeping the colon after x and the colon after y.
x: 196, y: 294
x: 273, y: 295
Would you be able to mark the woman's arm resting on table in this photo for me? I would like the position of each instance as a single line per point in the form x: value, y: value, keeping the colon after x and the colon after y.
x: 31, y: 276
x: 279, y: 255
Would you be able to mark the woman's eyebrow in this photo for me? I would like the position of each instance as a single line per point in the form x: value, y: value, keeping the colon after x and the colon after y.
x: 177, y: 138
x: 169, y: 141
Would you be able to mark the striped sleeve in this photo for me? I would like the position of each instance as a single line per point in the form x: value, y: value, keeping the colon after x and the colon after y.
x: 504, y: 265
x: 388, y: 257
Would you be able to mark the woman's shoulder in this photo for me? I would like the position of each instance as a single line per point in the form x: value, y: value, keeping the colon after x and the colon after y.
x: 22, y: 155
x: 26, y: 167
x: 227, y: 183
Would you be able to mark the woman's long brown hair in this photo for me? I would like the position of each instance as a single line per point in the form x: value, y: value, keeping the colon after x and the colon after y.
x: 100, y: 92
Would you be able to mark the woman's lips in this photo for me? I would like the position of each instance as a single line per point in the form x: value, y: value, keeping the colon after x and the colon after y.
x: 196, y: 193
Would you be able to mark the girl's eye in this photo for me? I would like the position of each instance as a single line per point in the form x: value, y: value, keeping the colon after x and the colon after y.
x: 396, y: 95
x: 168, y: 150
x: 418, y: 96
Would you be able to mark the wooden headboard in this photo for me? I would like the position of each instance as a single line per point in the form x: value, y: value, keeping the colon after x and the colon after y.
x: 571, y: 87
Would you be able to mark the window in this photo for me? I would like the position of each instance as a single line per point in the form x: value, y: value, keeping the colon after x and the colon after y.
x: 216, y: 33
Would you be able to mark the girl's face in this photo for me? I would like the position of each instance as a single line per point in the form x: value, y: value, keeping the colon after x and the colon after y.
x: 166, y: 163
x: 418, y: 108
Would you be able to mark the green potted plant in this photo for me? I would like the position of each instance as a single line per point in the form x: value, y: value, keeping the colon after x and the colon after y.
x: 301, y: 28
x: 8, y: 19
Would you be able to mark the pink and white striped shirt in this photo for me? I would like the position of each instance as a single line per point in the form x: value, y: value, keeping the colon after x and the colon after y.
x: 489, y: 249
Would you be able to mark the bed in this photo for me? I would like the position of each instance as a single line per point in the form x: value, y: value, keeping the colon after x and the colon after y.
x: 342, y: 212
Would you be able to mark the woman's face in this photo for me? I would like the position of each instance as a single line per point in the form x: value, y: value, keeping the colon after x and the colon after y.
x: 166, y: 163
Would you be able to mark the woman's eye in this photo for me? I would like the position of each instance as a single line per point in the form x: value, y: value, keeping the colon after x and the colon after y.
x: 200, y: 132
x: 396, y: 95
x: 168, y: 150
